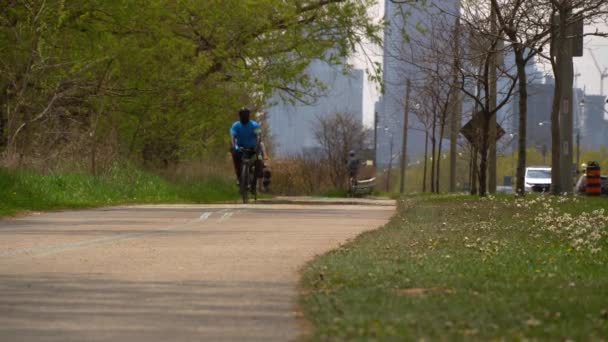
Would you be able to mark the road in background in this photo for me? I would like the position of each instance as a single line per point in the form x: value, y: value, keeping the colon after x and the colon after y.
x: 166, y: 273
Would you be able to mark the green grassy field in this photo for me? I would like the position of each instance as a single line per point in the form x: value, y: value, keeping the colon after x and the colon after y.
x: 30, y: 191
x: 454, y: 267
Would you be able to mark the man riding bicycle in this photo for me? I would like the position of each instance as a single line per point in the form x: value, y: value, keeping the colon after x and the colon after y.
x: 245, y: 134
x: 353, y: 163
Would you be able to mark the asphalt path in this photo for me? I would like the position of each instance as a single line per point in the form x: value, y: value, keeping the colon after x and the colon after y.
x: 168, y: 272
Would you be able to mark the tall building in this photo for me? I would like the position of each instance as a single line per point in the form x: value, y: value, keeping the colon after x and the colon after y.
x: 508, y: 114
x: 408, y: 24
x: 292, y: 126
x: 538, y: 124
x: 593, y: 126
x: 540, y: 104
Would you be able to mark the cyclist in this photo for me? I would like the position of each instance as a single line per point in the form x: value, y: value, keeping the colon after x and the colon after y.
x: 353, y: 167
x: 246, y: 134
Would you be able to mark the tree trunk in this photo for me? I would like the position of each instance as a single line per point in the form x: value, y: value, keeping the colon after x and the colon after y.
x: 483, y: 153
x: 433, y: 163
x: 523, y: 119
x: 555, y: 125
x: 439, y: 150
x: 474, y: 156
x: 94, y: 144
x: 406, y: 114
x: 3, y: 118
x: 390, y: 166
x: 433, y: 150
x: 492, y: 132
x: 456, y: 108
x: 426, y: 158
x: 555, y: 139
x: 343, y: 161
x: 471, y: 152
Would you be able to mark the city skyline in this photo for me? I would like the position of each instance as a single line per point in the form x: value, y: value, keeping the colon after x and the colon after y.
x: 589, y: 79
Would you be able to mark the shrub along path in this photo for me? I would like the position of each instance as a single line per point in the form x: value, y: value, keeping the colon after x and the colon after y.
x: 30, y: 191
x: 454, y: 267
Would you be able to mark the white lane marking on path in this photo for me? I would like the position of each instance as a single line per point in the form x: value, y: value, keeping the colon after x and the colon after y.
x: 205, y: 216
x: 226, y: 216
x: 54, y: 249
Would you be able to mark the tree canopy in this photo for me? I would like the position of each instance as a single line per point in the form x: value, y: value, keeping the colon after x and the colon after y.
x: 158, y: 80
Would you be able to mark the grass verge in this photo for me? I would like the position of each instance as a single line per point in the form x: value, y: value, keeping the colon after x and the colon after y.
x: 460, y: 268
x: 26, y: 190
x: 335, y: 193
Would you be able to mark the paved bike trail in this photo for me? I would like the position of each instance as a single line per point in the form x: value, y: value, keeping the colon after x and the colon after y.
x: 168, y: 272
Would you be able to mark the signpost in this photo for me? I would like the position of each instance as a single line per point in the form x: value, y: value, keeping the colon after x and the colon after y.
x: 472, y: 130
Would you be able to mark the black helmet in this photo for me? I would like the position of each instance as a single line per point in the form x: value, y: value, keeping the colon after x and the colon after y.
x: 352, y: 153
x: 244, y: 111
x: 244, y: 115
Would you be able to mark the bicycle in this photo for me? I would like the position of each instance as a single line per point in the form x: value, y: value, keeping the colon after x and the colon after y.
x: 249, y: 179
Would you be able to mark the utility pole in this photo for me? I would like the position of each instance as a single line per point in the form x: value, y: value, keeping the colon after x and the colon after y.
x: 493, y: 98
x: 375, y: 138
x: 404, y: 143
x: 578, y: 149
x: 565, y: 117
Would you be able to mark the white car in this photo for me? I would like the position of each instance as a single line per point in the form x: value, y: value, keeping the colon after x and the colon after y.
x: 537, y: 179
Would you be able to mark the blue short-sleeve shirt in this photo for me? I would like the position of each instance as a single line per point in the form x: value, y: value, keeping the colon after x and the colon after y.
x: 246, y: 135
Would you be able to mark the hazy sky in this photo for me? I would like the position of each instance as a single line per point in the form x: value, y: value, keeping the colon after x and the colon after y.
x: 590, y: 76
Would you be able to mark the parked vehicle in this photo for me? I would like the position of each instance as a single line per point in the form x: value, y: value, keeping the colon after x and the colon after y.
x: 537, y: 179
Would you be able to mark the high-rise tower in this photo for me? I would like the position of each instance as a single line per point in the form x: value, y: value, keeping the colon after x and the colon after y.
x: 410, y: 24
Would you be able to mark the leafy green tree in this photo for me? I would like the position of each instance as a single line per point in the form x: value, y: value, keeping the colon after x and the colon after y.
x: 154, y: 79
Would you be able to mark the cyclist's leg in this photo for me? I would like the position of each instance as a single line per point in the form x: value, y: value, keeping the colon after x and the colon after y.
x: 352, y: 181
x: 237, y: 161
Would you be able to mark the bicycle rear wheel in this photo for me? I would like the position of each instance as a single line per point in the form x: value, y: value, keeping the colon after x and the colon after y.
x: 245, y: 182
